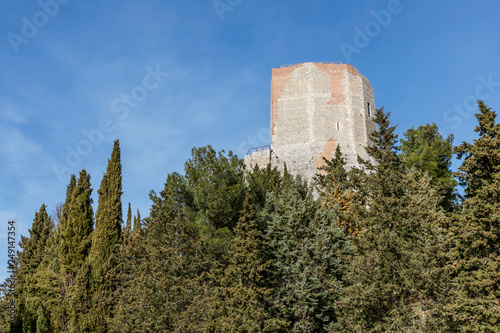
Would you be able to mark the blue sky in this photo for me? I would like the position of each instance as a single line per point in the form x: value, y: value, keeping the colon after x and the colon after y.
x: 199, y: 73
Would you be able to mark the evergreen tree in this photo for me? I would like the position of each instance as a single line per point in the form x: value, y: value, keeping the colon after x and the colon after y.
x: 212, y: 193
x: 475, y: 255
x: 261, y: 181
x: 332, y: 174
x: 49, y: 276
x: 34, y: 246
x: 397, y: 271
x: 240, y: 302
x: 74, y: 247
x: 33, y: 252
x: 335, y: 191
x: 128, y: 226
x: 105, y: 241
x: 137, y: 223
x: 161, y: 273
x: 308, y: 249
x: 108, y: 216
x: 78, y: 225
x: 215, y: 187
x: 287, y: 179
x: 425, y: 149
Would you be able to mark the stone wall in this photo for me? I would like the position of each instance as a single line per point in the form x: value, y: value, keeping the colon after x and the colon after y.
x: 260, y: 158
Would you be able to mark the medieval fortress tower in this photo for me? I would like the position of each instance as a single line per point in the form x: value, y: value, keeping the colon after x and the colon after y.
x: 314, y: 108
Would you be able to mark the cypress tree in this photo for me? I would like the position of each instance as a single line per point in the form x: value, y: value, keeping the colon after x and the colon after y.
x: 475, y: 255
x: 78, y: 225
x: 105, y: 239
x: 287, y: 179
x: 50, y: 277
x: 128, y: 226
x: 62, y: 225
x: 108, y: 216
x: 137, y: 223
x: 34, y: 249
x: 34, y: 246
x: 75, y: 244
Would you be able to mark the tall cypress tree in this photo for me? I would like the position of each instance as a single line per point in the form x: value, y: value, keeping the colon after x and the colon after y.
x: 475, y: 255
x: 75, y: 243
x: 105, y: 239
x: 108, y: 216
x: 137, y: 223
x: 63, y: 222
x: 128, y: 225
x: 51, y: 278
x: 78, y: 218
x: 34, y: 248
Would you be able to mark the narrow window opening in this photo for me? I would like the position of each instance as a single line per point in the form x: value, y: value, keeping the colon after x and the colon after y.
x: 368, y: 108
x: 338, y: 126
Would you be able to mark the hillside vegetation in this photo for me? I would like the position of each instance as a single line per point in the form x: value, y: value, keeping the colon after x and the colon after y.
x: 388, y: 247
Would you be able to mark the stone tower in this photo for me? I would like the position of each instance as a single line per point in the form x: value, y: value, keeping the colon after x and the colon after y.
x: 314, y: 107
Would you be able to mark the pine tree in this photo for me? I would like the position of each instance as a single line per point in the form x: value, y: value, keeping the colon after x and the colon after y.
x: 425, y: 149
x: 212, y: 193
x: 240, y: 302
x: 475, y: 255
x: 397, y: 271
x: 214, y: 185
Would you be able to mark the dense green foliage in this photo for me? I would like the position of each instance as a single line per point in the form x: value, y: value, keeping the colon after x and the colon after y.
x: 425, y: 149
x: 475, y: 242
x: 398, y: 263
x: 381, y: 248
